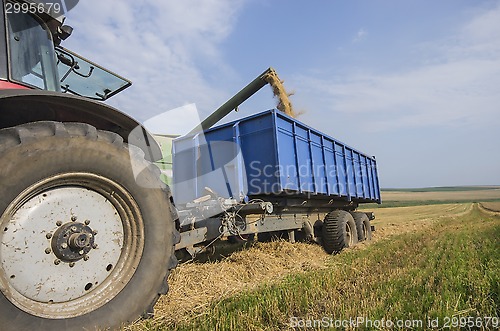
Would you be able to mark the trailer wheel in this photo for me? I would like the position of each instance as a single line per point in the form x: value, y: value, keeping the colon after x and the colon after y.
x: 85, y: 244
x: 339, y: 231
x: 363, y: 226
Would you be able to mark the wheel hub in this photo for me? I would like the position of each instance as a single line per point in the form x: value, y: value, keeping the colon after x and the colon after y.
x: 73, y: 241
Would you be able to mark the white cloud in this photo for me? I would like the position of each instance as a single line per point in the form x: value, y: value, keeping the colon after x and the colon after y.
x: 457, y: 85
x: 180, y: 120
x: 160, y: 46
x: 361, y: 35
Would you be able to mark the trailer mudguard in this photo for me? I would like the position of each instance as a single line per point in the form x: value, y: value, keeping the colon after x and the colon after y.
x: 19, y: 106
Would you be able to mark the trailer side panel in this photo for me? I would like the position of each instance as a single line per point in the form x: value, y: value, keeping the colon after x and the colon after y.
x: 272, y: 154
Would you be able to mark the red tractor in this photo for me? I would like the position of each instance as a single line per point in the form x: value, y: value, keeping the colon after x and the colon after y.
x: 87, y: 239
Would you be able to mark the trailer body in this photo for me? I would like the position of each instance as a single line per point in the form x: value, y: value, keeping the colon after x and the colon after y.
x: 272, y: 156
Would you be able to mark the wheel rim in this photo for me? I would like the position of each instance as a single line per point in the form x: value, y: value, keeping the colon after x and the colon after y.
x: 70, y: 244
x: 348, y: 234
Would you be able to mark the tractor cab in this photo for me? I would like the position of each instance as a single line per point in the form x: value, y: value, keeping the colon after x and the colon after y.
x: 31, y: 55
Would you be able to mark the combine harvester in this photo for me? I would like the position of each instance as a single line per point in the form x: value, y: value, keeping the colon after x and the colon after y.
x: 89, y: 230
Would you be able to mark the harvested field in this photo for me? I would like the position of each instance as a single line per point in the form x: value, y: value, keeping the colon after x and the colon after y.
x: 195, y: 287
x: 447, y: 271
x: 393, y: 221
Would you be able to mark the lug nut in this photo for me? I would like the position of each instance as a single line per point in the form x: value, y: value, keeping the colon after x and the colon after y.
x: 58, y: 223
x: 87, y: 222
x: 48, y: 235
x: 94, y: 246
x: 72, y: 264
x: 81, y: 252
x: 74, y: 229
x: 73, y: 218
x: 94, y: 232
x: 48, y: 251
x: 85, y: 258
x: 64, y: 245
x: 57, y: 262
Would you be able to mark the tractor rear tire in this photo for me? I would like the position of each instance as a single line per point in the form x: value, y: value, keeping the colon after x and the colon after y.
x: 338, y: 232
x: 363, y: 226
x: 87, y: 240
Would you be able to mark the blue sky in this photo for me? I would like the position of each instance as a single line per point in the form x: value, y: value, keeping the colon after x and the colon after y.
x: 415, y: 83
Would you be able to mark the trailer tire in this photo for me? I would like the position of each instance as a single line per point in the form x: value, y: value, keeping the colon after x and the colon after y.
x: 363, y: 226
x: 338, y: 231
x: 78, y: 182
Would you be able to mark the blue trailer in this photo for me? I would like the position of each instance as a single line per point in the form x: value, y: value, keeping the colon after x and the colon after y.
x: 273, y: 156
x: 293, y: 178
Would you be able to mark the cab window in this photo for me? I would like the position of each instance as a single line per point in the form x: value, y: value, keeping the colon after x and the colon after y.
x: 31, y: 52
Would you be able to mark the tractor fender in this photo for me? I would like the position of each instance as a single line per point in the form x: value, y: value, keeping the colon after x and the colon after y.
x: 19, y: 106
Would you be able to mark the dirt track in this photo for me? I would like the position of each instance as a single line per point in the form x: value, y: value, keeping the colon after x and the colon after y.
x: 491, y: 206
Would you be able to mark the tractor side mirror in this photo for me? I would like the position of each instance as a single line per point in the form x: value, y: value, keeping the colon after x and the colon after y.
x: 65, y: 31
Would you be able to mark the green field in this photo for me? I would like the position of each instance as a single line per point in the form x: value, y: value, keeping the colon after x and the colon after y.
x: 427, y: 263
